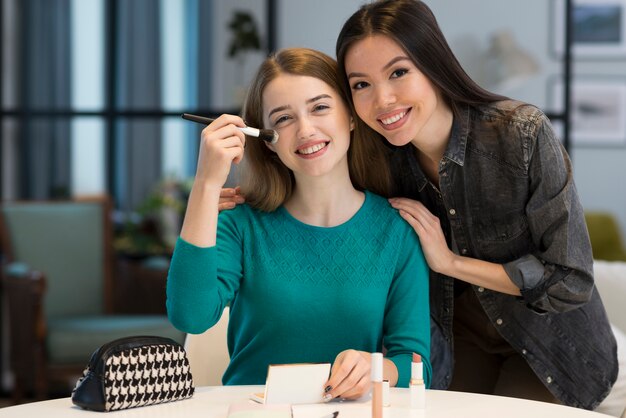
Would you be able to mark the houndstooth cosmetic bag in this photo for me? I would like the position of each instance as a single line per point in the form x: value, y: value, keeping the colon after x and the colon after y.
x: 134, y: 371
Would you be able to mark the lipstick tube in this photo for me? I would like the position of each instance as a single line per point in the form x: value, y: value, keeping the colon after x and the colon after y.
x: 377, y: 385
x: 417, y: 389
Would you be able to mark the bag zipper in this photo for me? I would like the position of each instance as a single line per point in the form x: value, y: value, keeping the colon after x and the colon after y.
x: 106, y: 350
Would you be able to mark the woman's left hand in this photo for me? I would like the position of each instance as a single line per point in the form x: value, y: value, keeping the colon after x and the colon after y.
x: 350, y: 375
x: 230, y: 197
x: 428, y: 228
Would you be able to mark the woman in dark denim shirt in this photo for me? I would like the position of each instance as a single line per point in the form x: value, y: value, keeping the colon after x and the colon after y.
x: 513, y: 303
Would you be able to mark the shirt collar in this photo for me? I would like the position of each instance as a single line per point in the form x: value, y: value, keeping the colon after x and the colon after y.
x: 455, y: 151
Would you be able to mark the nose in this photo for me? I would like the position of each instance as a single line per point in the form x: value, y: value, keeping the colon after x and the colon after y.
x: 306, y: 129
x: 385, y: 96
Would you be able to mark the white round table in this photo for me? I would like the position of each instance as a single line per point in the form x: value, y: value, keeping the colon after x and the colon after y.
x: 213, y: 402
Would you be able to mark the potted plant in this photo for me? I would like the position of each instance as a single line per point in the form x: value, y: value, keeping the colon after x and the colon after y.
x: 153, y: 228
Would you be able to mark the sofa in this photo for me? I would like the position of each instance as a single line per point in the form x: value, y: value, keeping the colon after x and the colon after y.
x: 610, y: 278
x: 57, y: 279
x: 604, y: 233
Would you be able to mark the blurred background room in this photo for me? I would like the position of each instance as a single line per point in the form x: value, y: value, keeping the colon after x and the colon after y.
x: 96, y: 162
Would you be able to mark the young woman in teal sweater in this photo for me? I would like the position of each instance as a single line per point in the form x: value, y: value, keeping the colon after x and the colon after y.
x: 315, y: 266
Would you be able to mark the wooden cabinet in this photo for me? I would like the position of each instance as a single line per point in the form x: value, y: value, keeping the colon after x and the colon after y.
x: 139, y: 285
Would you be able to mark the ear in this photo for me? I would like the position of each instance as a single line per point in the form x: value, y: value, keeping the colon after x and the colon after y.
x: 270, y: 146
x: 351, y: 124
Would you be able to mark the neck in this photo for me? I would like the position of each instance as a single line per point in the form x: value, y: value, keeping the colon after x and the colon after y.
x: 433, y: 139
x: 324, y: 201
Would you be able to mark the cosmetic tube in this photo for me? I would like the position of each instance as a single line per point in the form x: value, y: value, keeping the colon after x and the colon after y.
x: 377, y: 385
x: 386, y: 395
x: 417, y: 389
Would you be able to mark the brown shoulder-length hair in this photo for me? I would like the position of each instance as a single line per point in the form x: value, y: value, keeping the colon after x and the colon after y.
x: 414, y: 27
x: 265, y: 181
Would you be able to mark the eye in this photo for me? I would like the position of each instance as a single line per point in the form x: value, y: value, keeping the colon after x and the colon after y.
x: 319, y: 107
x: 281, y: 119
x: 359, y: 85
x: 399, y: 72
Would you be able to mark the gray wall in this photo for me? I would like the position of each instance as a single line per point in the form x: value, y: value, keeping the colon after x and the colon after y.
x: 599, y: 172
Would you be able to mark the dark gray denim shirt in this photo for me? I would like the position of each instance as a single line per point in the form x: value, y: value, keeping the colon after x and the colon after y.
x: 506, y: 194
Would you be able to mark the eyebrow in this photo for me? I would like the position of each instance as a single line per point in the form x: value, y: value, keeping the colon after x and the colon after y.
x: 386, y: 66
x: 316, y: 98
x: 308, y: 101
x: 277, y: 109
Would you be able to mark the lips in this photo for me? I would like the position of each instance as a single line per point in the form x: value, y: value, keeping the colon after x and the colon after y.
x: 311, y: 150
x: 393, y: 120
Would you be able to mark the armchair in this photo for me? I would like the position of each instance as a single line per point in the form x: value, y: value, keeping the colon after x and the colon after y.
x: 208, y: 353
x: 57, y: 281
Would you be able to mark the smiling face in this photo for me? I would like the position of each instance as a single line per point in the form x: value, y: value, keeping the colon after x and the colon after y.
x: 313, y: 124
x: 391, y: 94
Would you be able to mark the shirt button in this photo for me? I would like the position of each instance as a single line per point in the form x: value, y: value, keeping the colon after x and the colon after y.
x: 452, y: 212
x: 499, y: 321
x: 524, y: 351
x: 549, y: 379
x: 464, y: 251
x: 481, y: 290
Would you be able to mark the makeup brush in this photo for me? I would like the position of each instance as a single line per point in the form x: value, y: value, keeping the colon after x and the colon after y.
x: 267, y: 135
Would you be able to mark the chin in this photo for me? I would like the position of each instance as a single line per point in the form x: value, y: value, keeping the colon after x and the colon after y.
x: 398, y: 142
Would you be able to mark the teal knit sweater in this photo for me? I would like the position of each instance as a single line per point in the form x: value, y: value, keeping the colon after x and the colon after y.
x: 301, y: 293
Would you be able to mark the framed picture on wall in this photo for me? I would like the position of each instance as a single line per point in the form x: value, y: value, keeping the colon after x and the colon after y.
x: 598, y: 28
x: 598, y: 109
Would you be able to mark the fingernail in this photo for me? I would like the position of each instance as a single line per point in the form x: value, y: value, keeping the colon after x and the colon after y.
x: 327, y: 397
x: 328, y: 388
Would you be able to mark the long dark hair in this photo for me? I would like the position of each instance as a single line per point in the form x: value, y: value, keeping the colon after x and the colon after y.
x: 414, y: 27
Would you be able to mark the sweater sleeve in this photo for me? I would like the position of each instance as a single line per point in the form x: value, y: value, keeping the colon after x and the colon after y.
x: 202, y: 281
x: 407, y: 317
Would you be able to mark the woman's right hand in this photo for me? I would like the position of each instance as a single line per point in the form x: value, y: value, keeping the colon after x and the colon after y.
x: 221, y: 145
x: 230, y: 197
x: 350, y: 375
x: 428, y: 228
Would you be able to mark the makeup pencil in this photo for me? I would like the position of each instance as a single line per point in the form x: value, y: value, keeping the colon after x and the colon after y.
x: 267, y: 135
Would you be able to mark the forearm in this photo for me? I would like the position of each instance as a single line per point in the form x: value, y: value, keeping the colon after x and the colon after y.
x: 200, y: 223
x: 407, y: 319
x: 481, y: 273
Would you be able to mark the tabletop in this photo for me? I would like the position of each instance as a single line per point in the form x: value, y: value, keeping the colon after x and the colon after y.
x: 213, y: 402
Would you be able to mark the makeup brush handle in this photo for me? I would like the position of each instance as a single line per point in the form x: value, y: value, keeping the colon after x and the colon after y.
x: 201, y: 119
x: 196, y: 118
